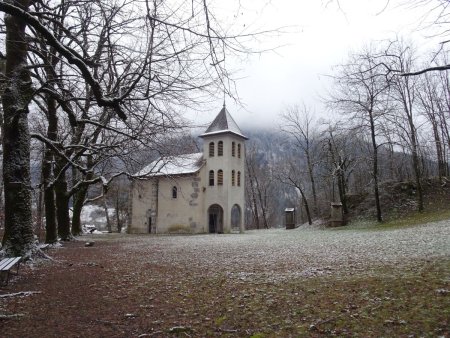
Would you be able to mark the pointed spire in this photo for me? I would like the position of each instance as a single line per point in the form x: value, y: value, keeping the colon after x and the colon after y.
x: 224, y: 123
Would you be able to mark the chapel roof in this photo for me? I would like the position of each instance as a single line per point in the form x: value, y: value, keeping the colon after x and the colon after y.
x: 173, y: 165
x: 223, y: 123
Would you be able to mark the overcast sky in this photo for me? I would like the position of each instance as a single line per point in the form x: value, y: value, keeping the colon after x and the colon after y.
x: 320, y: 36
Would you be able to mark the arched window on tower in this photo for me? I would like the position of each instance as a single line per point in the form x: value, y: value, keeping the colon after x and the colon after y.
x: 174, y: 192
x: 220, y: 148
x: 233, y: 178
x: 220, y: 177
x: 233, y: 149
x: 211, y: 149
x: 239, y: 150
x: 211, y: 178
x: 239, y: 179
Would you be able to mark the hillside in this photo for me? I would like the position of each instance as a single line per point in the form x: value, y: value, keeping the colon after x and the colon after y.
x: 399, y: 199
x: 398, y: 193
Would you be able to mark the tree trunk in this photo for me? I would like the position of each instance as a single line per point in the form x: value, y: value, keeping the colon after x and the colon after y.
x: 39, y: 211
x: 49, y: 193
x: 254, y: 204
x: 51, y: 228
x: 342, y: 189
x: 261, y: 203
x: 313, y: 184
x: 118, y: 219
x: 108, y: 221
x: 18, y: 239
x: 416, y: 167
x: 438, y: 145
x: 375, y: 168
x: 78, y: 202
x: 62, y: 208
x: 306, y: 205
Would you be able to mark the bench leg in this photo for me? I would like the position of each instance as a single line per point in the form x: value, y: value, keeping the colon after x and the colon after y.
x: 4, y: 278
x: 17, y: 269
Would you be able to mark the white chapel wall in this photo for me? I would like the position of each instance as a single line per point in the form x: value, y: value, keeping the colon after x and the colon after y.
x: 183, y: 214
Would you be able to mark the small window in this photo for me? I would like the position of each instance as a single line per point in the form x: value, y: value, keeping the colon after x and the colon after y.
x: 174, y: 192
x: 211, y: 177
x: 233, y: 178
x: 220, y: 177
x: 233, y: 149
x: 239, y: 150
x: 211, y: 149
x: 220, y: 149
x: 239, y: 179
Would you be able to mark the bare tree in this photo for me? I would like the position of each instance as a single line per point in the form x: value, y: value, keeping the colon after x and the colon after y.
x: 338, y: 150
x: 403, y: 94
x: 259, y: 188
x: 360, y: 94
x: 177, y: 59
x: 292, y: 173
x: 298, y: 123
x: 429, y: 97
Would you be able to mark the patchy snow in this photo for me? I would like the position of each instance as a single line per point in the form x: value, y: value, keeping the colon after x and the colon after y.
x: 173, y: 165
x: 93, y: 217
x: 277, y: 255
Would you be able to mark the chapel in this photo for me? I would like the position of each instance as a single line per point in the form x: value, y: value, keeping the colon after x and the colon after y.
x: 194, y: 193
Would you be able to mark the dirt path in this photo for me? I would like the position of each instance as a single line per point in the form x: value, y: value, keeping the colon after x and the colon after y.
x: 260, y: 284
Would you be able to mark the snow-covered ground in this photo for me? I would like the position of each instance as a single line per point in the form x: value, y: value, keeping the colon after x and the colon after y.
x: 93, y: 216
x: 276, y: 255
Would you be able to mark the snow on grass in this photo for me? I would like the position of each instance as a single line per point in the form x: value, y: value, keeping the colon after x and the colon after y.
x: 94, y: 216
x: 278, y: 254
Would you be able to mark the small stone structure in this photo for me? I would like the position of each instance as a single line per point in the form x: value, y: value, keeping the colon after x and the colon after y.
x: 337, y: 216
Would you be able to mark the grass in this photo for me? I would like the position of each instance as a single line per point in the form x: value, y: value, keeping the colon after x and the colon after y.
x: 389, y: 302
x: 413, y: 219
x: 245, y: 286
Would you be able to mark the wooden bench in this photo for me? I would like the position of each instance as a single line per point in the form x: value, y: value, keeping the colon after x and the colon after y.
x: 6, y: 266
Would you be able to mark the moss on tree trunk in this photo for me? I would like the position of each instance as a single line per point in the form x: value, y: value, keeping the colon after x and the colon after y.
x: 18, y: 239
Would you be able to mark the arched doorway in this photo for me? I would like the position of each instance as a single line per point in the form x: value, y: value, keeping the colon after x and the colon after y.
x: 215, y: 219
x: 236, y: 218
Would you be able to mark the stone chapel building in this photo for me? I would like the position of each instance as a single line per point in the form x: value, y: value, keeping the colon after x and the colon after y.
x: 195, y: 193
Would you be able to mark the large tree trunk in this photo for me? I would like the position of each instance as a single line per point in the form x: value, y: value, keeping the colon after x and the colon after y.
x: 49, y: 193
x: 18, y: 239
x: 62, y: 206
x: 78, y: 202
x: 118, y: 219
x: 51, y: 229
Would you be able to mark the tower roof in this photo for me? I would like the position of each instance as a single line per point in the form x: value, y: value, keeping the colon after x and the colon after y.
x: 223, y: 123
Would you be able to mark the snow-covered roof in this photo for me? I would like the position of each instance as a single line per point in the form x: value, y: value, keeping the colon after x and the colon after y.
x: 173, y: 165
x: 223, y: 123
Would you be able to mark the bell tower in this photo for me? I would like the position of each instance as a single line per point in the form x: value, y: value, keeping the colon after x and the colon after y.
x: 224, y: 151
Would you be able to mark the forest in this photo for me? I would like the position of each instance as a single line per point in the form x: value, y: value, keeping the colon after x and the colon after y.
x: 86, y: 102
